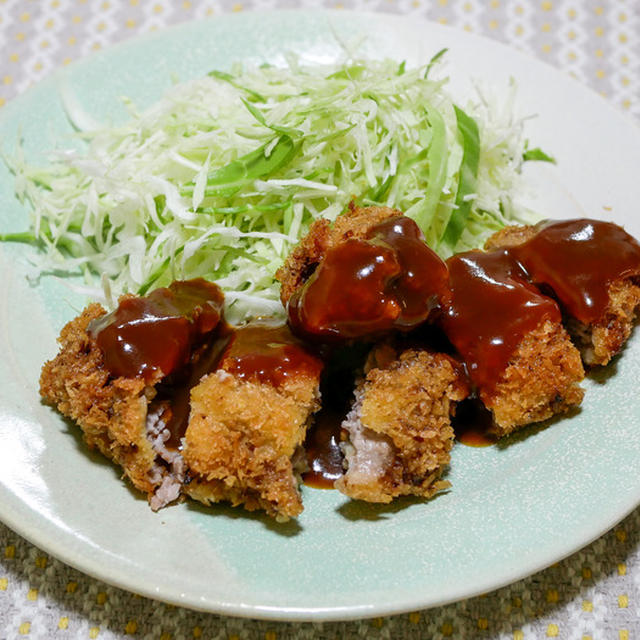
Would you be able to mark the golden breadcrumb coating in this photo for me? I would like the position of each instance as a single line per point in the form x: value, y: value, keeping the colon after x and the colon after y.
x: 242, y: 441
x: 303, y: 259
x: 510, y: 237
x: 599, y: 341
x: 540, y: 381
x: 355, y: 222
x: 603, y: 339
x: 400, y: 430
x: 111, y: 411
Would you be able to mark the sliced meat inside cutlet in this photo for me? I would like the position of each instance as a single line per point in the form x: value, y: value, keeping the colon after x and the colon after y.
x: 248, y: 421
x: 399, y: 429
x: 592, y: 268
x: 519, y: 357
x: 369, y: 273
x: 112, y: 374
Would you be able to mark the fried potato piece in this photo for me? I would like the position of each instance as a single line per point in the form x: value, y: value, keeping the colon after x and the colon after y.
x: 399, y: 430
x: 355, y: 222
x: 540, y: 381
x: 243, y: 442
x: 601, y: 340
x: 112, y: 412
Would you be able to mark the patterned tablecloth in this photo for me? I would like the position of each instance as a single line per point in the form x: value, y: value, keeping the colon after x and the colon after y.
x: 593, y: 594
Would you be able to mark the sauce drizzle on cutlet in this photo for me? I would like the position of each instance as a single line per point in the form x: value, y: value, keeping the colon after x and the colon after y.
x: 488, y: 302
x: 579, y: 260
x: 178, y: 334
x: 266, y: 352
x: 157, y: 333
x: 389, y: 280
x: 491, y: 307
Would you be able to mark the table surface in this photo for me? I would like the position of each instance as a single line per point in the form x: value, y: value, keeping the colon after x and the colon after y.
x: 593, y: 594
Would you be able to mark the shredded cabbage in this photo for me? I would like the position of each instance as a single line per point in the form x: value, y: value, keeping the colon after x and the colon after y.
x: 223, y: 175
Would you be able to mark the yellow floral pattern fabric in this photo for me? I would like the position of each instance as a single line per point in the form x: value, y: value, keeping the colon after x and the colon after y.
x: 593, y: 595
x: 597, y: 42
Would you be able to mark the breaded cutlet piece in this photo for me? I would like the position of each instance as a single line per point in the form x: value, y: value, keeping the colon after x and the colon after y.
x: 520, y: 360
x: 601, y: 340
x: 399, y: 429
x: 540, y: 381
x: 118, y: 376
x: 111, y: 411
x: 243, y: 443
x: 355, y: 222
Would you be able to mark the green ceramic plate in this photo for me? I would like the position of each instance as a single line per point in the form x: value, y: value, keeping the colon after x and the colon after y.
x: 512, y: 509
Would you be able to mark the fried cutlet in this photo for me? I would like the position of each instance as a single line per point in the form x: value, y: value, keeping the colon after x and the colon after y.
x: 113, y: 412
x: 612, y: 262
x: 601, y: 340
x: 399, y: 430
x: 243, y: 443
x: 510, y: 236
x: 518, y: 355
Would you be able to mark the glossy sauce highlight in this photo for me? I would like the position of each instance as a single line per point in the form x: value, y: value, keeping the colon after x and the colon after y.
x: 389, y: 280
x: 579, y: 260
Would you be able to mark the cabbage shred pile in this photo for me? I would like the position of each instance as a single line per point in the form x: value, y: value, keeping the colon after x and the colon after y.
x: 223, y: 175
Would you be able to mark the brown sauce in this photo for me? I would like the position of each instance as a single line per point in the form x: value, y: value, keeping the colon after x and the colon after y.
x: 472, y: 423
x: 578, y: 260
x: 423, y: 275
x: 490, y: 309
x: 389, y: 280
x: 322, y: 449
x: 157, y: 333
x: 322, y: 443
x: 270, y: 353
